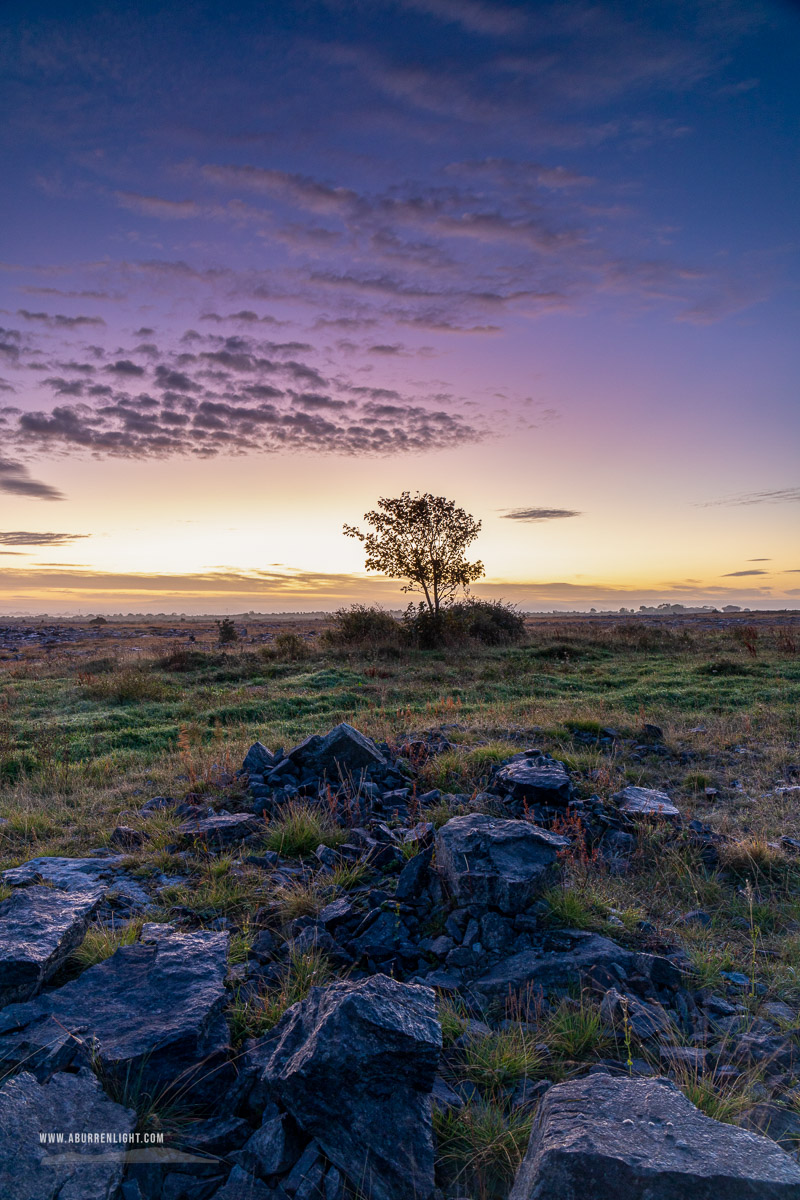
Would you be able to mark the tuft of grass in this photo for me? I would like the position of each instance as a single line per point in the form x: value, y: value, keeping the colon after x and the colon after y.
x: 499, y: 1059
x: 754, y: 858
x: 452, y: 1018
x: 129, y: 685
x: 252, y: 1016
x: 220, y: 888
x: 573, y: 909
x: 718, y: 1096
x: 102, y: 941
x: 574, y: 1031
x: 300, y: 828
x: 480, y: 1148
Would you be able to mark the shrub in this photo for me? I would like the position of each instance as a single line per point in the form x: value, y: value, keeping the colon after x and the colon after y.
x: 488, y: 622
x: 363, y: 625
x: 290, y: 645
x: 227, y: 632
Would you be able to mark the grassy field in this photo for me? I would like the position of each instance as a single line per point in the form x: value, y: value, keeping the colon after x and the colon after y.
x: 86, y: 731
x: 93, y: 727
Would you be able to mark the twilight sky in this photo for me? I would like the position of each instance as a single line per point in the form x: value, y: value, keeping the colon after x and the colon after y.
x: 263, y: 263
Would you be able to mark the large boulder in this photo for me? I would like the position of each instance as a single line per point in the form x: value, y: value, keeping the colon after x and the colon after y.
x: 603, y: 1138
x: 354, y: 1065
x: 645, y: 804
x: 39, y: 929
x: 67, y: 1105
x: 151, y: 1016
x: 534, y: 778
x: 585, y: 956
x: 497, y: 863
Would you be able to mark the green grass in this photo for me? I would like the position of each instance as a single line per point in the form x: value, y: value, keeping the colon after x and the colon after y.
x: 102, y: 941
x: 480, y: 1147
x: 301, y: 828
x: 252, y: 1016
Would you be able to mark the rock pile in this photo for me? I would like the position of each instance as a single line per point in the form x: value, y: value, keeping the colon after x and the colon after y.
x: 336, y: 1098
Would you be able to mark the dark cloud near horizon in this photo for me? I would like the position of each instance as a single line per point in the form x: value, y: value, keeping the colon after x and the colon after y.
x: 540, y: 514
x: 736, y: 574
x: 25, y: 538
x: 788, y: 495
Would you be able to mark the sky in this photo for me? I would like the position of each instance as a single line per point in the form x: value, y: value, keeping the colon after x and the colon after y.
x: 261, y: 264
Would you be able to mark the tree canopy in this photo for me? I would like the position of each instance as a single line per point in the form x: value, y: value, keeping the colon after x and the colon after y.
x: 422, y: 539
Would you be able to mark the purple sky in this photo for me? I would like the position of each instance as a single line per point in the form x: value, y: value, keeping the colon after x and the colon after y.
x: 265, y: 263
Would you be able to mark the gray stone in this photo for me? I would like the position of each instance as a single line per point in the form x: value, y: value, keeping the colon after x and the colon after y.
x: 590, y: 956
x: 222, y: 829
x: 604, y: 1138
x: 39, y: 929
x: 414, y: 876
x: 258, y: 760
x: 640, y: 804
x: 503, y: 864
x: 342, y: 751
x: 536, y: 779
x: 79, y: 874
x: 780, y: 1124
x: 644, y: 1020
x: 241, y: 1185
x: 66, y: 1104
x: 152, y: 1015
x: 305, y: 1178
x: 336, y: 912
x: 271, y: 1150
x: 344, y: 748
x: 354, y: 1065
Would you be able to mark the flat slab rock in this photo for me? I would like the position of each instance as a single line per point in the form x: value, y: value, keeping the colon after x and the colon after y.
x: 66, y: 1104
x: 221, y: 829
x: 354, y: 1065
x: 78, y: 874
x: 640, y: 803
x: 497, y: 863
x: 534, y: 777
x: 604, y: 1138
x: 152, y: 1012
x: 39, y: 929
x: 589, y: 954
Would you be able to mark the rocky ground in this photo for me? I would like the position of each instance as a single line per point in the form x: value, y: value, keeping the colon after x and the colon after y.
x: 322, y: 978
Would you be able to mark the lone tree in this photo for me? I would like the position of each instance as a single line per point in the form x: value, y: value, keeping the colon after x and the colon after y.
x: 421, y: 539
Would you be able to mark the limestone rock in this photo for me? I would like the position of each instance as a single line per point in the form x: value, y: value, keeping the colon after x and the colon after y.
x: 66, y: 1104
x: 258, y: 760
x: 503, y: 864
x: 222, y: 829
x: 39, y: 929
x: 354, y: 1065
x: 605, y: 1138
x: 641, y: 804
x: 535, y: 778
x: 152, y: 1013
x: 79, y: 874
x: 590, y: 956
